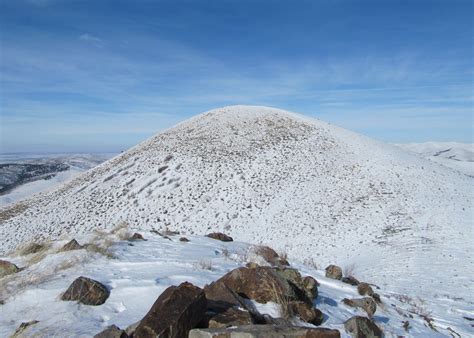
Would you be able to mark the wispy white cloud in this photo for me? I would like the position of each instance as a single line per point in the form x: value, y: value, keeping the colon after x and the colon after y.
x: 90, y: 38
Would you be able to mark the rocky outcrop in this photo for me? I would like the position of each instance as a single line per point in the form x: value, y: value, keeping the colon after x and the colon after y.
x: 112, y: 331
x: 176, y: 311
x: 86, y: 291
x: 71, y: 245
x: 334, y: 272
x: 260, y: 331
x: 367, y: 304
x: 220, y: 236
x: 362, y: 327
x: 7, y: 268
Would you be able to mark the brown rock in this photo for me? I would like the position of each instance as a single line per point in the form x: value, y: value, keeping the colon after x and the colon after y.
x: 270, y: 256
x: 176, y: 311
x: 231, y: 317
x: 265, y: 331
x: 362, y: 327
x: 136, y: 237
x: 112, y: 331
x: 310, y: 285
x: 71, y: 245
x: 307, y: 312
x: 220, y: 236
x: 183, y: 239
x: 86, y: 291
x: 7, y: 268
x: 32, y: 248
x: 334, y: 272
x: 365, y: 289
x: 366, y: 303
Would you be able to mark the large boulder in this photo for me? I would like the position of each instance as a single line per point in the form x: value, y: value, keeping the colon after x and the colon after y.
x: 307, y: 313
x: 220, y: 236
x: 176, y: 311
x: 362, y: 327
x: 367, y: 304
x: 334, y: 272
x: 265, y: 331
x: 86, y: 291
x: 7, y: 268
x: 231, y: 317
x: 262, y: 284
x: 112, y: 331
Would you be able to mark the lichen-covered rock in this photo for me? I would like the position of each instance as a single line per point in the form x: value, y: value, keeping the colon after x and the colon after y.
x: 176, y: 311
x: 334, y: 272
x: 7, y: 268
x: 362, y: 327
x: 86, y: 291
x: 366, y: 303
x: 220, y: 236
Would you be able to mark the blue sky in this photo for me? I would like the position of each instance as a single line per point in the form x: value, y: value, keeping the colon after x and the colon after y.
x: 104, y: 75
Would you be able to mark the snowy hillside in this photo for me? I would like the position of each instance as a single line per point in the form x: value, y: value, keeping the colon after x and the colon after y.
x: 457, y: 156
x: 23, y: 175
x: 297, y: 184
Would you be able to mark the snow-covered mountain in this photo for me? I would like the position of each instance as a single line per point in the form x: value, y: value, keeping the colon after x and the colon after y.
x: 298, y: 184
x: 457, y: 156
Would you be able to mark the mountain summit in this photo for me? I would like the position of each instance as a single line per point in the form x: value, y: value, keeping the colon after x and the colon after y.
x: 264, y: 175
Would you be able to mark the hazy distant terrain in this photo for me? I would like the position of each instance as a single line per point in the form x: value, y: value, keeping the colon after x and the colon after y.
x: 22, y: 175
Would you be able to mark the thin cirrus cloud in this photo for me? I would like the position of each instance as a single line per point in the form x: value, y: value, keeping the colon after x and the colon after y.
x: 142, y: 74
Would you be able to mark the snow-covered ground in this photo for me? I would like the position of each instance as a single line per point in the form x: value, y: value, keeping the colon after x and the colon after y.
x: 140, y: 273
x: 297, y: 184
x: 77, y: 163
x: 454, y: 155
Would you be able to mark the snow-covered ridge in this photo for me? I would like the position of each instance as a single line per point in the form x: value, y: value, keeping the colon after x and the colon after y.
x: 295, y: 183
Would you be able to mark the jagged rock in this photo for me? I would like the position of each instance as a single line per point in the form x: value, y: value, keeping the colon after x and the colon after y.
x: 366, y: 303
x: 136, y: 237
x: 362, y: 327
x: 307, y: 312
x: 261, y: 284
x: 365, y: 289
x: 19, y: 332
x: 350, y: 280
x: 220, y: 236
x: 334, y: 272
x: 86, y: 291
x: 183, y: 239
x: 265, y: 331
x: 270, y: 256
x: 7, y: 268
x: 176, y: 311
x: 231, y: 317
x: 112, y: 331
x: 71, y: 245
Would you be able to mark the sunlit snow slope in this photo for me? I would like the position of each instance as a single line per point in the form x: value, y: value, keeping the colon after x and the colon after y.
x: 295, y: 183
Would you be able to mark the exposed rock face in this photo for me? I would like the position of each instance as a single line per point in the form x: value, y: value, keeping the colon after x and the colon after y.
x: 365, y: 289
x: 366, y: 303
x: 86, y: 291
x: 220, y: 236
x: 307, y: 313
x: 270, y: 256
x: 136, y: 237
x: 71, y: 245
x: 7, y: 268
x: 261, y: 284
x: 176, y: 311
x: 231, y: 317
x: 334, y: 272
x: 112, y: 331
x: 265, y: 331
x: 350, y: 280
x: 361, y: 327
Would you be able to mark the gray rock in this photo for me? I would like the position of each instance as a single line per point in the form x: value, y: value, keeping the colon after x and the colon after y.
x: 362, y: 327
x: 334, y: 272
x: 366, y: 303
x: 265, y: 331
